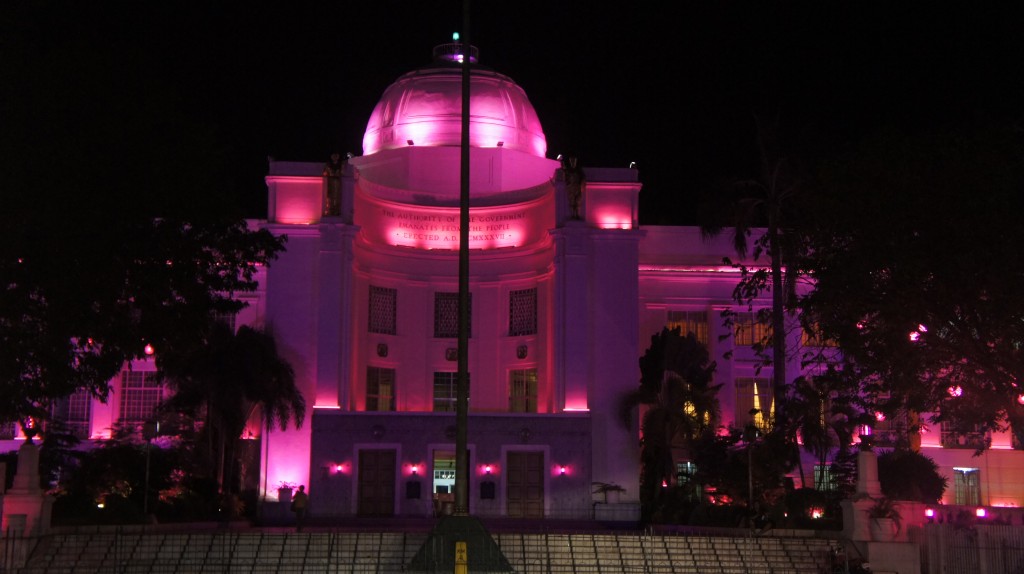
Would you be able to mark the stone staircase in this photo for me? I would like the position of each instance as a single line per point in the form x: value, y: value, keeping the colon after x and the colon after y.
x: 254, y: 551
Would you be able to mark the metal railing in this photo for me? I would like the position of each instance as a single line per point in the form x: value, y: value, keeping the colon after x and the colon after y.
x: 148, y: 551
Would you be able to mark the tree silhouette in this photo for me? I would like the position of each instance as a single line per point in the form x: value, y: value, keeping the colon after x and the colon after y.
x: 681, y: 405
x: 824, y: 416
x: 223, y: 380
x: 761, y: 213
x: 919, y: 283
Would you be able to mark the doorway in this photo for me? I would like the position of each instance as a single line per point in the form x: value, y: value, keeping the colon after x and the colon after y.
x: 525, y: 485
x: 376, y: 482
x: 443, y: 482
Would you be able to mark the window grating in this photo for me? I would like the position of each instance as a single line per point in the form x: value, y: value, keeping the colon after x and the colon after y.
x: 228, y: 319
x: 380, y: 389
x: 383, y: 310
x: 751, y: 329
x: 74, y: 412
x: 824, y: 479
x: 967, y: 486
x: 951, y: 437
x: 522, y: 391
x: 141, y: 392
x: 446, y: 315
x: 522, y: 313
x: 695, y: 322
x: 812, y: 337
x: 446, y: 386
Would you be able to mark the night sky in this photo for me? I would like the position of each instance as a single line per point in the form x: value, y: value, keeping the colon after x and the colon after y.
x: 674, y: 87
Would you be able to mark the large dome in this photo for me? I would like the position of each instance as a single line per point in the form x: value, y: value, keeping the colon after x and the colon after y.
x: 424, y: 108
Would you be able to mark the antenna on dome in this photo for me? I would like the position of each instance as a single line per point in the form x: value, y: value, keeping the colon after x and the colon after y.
x: 455, y: 51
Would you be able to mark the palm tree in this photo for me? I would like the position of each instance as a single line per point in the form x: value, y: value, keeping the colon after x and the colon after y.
x: 764, y: 202
x: 824, y: 419
x: 224, y: 379
x: 675, y: 385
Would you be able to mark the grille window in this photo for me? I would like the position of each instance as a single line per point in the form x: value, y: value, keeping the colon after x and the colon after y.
x: 141, y: 392
x: 380, y: 389
x: 383, y: 310
x: 227, y: 319
x: 446, y: 386
x: 522, y: 313
x: 695, y: 322
x: 824, y: 480
x: 967, y: 486
x: 973, y: 438
x: 446, y: 315
x: 74, y: 412
x: 750, y: 329
x: 522, y: 390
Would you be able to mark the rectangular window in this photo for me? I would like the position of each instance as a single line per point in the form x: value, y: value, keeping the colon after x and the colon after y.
x: 754, y: 393
x: 751, y: 329
x: 446, y: 390
x: 813, y: 338
x: 967, y: 486
x: 952, y: 438
x: 891, y: 431
x: 73, y: 413
x: 383, y: 310
x: 446, y: 315
x: 141, y: 393
x: 695, y: 322
x: 824, y: 480
x: 227, y: 319
x: 522, y: 312
x: 380, y: 389
x: 522, y: 391
x: 685, y: 472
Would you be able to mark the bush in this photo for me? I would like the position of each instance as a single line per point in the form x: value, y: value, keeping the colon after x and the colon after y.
x: 909, y: 475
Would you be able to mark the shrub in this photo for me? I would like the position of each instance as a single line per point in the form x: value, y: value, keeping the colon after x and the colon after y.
x: 909, y: 475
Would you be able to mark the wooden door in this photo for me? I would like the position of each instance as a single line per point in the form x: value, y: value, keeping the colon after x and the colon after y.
x: 376, y: 483
x: 525, y: 485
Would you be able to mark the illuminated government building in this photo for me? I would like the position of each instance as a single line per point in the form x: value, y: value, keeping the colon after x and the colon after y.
x: 567, y: 288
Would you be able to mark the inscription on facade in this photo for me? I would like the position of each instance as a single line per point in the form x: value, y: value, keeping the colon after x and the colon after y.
x: 442, y: 230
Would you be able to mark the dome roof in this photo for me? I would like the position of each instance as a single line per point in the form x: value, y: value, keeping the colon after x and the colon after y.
x: 424, y: 108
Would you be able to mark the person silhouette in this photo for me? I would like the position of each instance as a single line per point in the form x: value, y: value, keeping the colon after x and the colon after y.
x: 300, y: 503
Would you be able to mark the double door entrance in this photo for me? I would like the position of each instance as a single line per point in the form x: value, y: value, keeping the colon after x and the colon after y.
x: 377, y: 482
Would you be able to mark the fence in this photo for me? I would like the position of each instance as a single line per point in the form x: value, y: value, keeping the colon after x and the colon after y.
x: 147, y: 551
x: 973, y: 549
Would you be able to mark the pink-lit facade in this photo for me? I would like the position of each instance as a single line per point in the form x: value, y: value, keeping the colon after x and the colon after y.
x: 564, y: 302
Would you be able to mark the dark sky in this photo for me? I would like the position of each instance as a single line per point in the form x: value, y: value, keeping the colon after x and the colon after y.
x: 674, y: 87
